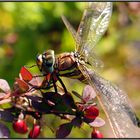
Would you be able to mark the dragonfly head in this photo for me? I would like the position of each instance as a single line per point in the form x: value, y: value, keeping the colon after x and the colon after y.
x: 45, y: 61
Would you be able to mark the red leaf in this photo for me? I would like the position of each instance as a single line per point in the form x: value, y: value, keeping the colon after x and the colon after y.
x: 64, y: 130
x: 25, y: 74
x: 4, y: 86
x: 22, y: 85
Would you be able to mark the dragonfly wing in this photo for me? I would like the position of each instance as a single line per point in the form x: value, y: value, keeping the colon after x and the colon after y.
x: 93, y: 25
x: 116, y: 106
x: 94, y: 61
x: 71, y: 30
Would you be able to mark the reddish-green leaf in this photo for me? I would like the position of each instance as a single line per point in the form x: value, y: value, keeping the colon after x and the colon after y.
x: 64, y: 130
x: 22, y: 85
x: 25, y: 74
x: 5, y: 104
x: 6, y: 115
x: 36, y: 81
x: 77, y: 122
x: 5, y: 101
x: 69, y: 100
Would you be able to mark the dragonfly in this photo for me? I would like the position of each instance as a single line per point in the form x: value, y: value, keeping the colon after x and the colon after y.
x: 81, y: 65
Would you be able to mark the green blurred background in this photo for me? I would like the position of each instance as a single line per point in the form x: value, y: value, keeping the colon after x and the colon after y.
x: 29, y: 28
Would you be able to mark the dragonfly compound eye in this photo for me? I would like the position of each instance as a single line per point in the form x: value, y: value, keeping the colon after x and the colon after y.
x: 46, y: 61
x: 39, y: 61
x: 48, y: 57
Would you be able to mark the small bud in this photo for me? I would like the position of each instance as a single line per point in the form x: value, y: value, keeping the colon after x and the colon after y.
x: 96, y: 134
x: 80, y: 107
x: 35, y: 131
x: 91, y: 112
x: 37, y: 115
x: 20, y: 126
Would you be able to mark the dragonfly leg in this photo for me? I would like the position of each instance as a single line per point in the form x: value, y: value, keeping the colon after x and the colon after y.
x: 54, y: 84
x: 61, y: 82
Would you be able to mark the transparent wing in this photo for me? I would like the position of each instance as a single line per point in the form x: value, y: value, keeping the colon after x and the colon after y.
x: 93, y: 25
x: 116, y: 105
x: 93, y: 60
x: 71, y: 30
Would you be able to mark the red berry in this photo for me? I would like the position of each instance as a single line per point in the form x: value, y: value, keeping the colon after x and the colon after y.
x: 35, y: 131
x: 96, y: 134
x: 91, y: 112
x: 20, y: 126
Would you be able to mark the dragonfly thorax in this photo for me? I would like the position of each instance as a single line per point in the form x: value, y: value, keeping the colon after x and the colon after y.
x: 67, y: 65
x: 65, y: 61
x: 79, y: 58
